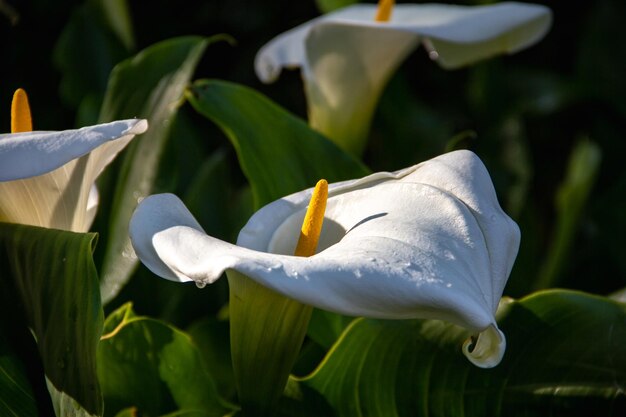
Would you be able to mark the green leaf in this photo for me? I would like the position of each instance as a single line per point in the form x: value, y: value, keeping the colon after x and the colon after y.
x: 16, y: 396
x: 117, y: 16
x: 565, y: 356
x: 85, y: 53
x: 326, y: 6
x: 149, y: 85
x: 154, y: 367
x: 571, y: 199
x: 279, y: 154
x: 213, y: 340
x: 55, y: 277
x: 127, y: 412
x: 326, y: 327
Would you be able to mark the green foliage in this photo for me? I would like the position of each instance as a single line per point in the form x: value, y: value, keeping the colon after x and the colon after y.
x: 267, y: 329
x: 16, y: 396
x: 564, y: 354
x: 270, y: 141
x: 326, y: 6
x: 97, y: 36
x: 150, y: 85
x: 53, y: 274
x: 523, y: 115
x: 213, y: 340
x: 155, y: 368
x: 571, y: 198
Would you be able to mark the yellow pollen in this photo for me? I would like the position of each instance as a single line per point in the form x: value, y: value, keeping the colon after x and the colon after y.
x: 20, y: 113
x: 312, y: 224
x: 385, y: 7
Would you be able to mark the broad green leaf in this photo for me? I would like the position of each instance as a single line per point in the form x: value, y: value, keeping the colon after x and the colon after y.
x: 206, y: 194
x: 149, y: 365
x: 149, y: 85
x: 118, y: 318
x: 279, y: 154
x: 127, y: 412
x: 565, y: 355
x: 132, y: 412
x: 85, y: 53
x: 326, y: 6
x: 117, y: 16
x: 325, y: 327
x: 213, y: 340
x: 16, y: 396
x: 57, y: 282
x: 571, y: 199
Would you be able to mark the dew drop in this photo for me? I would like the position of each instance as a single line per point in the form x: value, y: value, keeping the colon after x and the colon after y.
x: 200, y: 284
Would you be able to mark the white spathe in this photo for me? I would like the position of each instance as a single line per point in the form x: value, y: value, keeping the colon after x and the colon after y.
x: 346, y: 57
x: 47, y: 179
x: 430, y: 241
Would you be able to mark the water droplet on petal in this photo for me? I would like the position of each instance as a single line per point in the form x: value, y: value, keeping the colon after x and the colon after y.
x: 200, y: 284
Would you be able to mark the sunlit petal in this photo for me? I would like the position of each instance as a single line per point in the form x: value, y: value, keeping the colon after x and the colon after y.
x: 46, y: 178
x: 346, y: 57
x: 430, y: 241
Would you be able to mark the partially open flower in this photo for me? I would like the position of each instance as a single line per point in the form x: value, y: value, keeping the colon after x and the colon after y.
x: 47, y: 179
x: 347, y: 56
x: 430, y: 241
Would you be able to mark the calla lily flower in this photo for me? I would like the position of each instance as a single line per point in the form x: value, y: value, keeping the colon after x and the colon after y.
x: 47, y: 179
x: 429, y: 241
x: 346, y: 57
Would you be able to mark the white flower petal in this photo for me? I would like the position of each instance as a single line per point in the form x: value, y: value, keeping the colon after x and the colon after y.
x: 345, y: 72
x: 56, y: 172
x: 481, y: 30
x: 418, y: 243
x: 25, y: 155
x: 487, y: 350
x: 154, y: 214
x: 92, y: 204
x: 346, y: 57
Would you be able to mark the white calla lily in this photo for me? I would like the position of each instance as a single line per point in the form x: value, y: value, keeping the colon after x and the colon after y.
x: 430, y: 241
x: 47, y: 179
x: 346, y: 57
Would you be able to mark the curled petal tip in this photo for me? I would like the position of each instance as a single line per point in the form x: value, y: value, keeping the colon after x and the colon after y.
x: 266, y: 70
x: 140, y: 126
x: 487, y: 350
